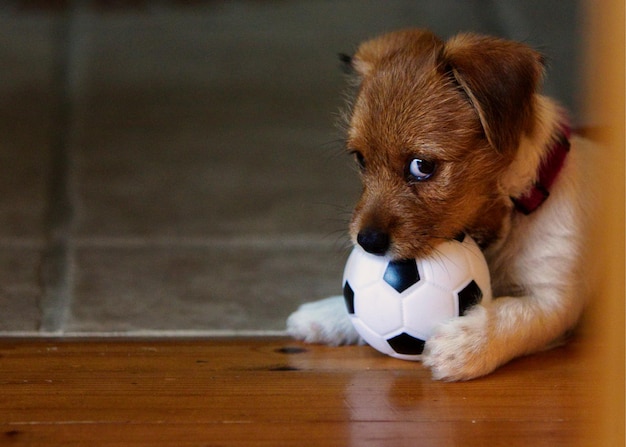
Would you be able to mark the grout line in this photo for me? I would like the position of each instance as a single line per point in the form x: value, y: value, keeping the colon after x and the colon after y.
x: 22, y: 243
x: 153, y: 333
x: 278, y: 242
x: 56, y: 264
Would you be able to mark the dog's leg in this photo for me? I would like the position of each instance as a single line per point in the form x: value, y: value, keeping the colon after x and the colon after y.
x: 489, y: 336
x: 508, y: 327
x: 325, y: 321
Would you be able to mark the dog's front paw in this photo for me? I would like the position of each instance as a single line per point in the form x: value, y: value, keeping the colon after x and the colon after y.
x: 460, y: 348
x: 325, y: 321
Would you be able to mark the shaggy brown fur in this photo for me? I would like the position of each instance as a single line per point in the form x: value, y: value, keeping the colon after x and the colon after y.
x: 461, y: 106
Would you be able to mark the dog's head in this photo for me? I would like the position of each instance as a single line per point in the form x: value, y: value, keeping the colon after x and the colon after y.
x: 433, y: 127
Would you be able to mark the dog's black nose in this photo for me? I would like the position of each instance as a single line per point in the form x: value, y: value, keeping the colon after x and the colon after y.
x: 373, y: 241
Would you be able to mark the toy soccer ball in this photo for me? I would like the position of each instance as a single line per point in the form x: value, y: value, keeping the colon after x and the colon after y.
x: 395, y: 305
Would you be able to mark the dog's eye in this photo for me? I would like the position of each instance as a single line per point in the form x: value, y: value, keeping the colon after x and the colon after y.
x: 420, y: 170
x: 360, y: 159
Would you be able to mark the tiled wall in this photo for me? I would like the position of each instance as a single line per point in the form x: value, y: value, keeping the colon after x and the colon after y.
x: 175, y: 166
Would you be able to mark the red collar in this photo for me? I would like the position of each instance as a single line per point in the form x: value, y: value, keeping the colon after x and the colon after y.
x: 548, y: 172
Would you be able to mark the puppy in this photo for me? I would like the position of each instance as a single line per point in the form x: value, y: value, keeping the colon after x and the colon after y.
x: 453, y: 137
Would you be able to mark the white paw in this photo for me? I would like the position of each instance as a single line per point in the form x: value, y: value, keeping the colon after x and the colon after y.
x: 325, y: 321
x: 460, y: 348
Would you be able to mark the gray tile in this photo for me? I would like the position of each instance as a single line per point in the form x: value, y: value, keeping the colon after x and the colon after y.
x: 27, y: 51
x: 212, y: 288
x: 19, y: 289
x: 238, y: 184
x: 185, y: 128
x: 28, y: 102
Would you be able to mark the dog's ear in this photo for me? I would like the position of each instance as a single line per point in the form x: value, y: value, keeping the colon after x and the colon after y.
x: 374, y: 53
x: 500, y: 78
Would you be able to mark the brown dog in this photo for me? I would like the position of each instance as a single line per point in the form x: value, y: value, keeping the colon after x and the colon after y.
x: 453, y: 137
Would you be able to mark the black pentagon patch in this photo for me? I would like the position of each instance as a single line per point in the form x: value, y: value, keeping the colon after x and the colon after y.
x: 469, y: 297
x: 460, y: 237
x: 348, y: 295
x: 401, y: 274
x: 406, y: 344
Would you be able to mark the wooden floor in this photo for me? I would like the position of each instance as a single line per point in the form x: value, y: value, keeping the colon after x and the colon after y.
x: 276, y: 392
